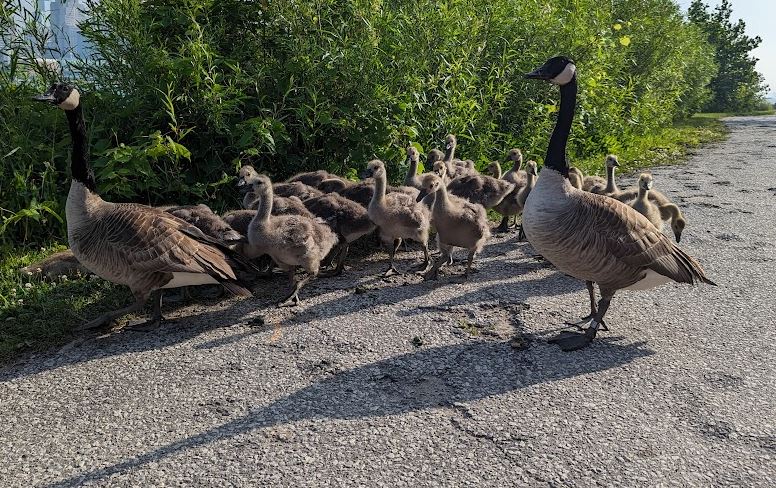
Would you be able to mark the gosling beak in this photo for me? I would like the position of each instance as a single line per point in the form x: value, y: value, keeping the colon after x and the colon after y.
x: 367, y: 173
x: 242, y: 185
x: 421, y: 195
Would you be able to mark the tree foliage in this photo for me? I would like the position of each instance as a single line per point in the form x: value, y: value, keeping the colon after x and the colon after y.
x: 180, y: 93
x: 737, y: 86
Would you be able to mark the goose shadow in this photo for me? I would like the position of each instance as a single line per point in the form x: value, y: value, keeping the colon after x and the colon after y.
x: 435, y: 377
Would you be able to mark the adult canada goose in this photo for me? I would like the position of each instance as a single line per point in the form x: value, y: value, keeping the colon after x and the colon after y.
x: 207, y: 221
x: 141, y: 247
x: 412, y: 179
x: 62, y: 263
x: 458, y: 223
x: 291, y: 241
x: 398, y: 215
x: 596, y: 184
x: 312, y: 178
x: 593, y: 237
x: 349, y: 220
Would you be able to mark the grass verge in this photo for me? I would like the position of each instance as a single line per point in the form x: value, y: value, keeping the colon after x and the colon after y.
x: 36, y: 315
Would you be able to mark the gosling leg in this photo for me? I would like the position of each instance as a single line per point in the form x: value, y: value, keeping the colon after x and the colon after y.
x: 504, y: 225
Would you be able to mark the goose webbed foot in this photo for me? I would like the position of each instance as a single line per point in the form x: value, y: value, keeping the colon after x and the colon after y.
x: 572, y: 341
x: 141, y: 325
x: 291, y: 300
x: 101, y: 321
x: 392, y: 271
x: 583, y: 321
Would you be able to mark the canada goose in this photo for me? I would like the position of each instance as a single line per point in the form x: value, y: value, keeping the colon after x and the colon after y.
x: 576, y: 177
x: 516, y: 174
x: 456, y: 167
x: 482, y: 189
x: 439, y: 168
x: 291, y: 241
x: 207, y: 221
x: 596, y: 184
x: 412, y: 178
x: 363, y: 191
x: 668, y: 210
x: 312, y: 178
x: 593, y: 237
x: 458, y: 223
x: 398, y: 215
x: 333, y: 185
x: 522, y: 196
x: 349, y: 220
x: 494, y: 169
x: 296, y: 189
x: 62, y: 263
x: 643, y: 205
x: 141, y: 247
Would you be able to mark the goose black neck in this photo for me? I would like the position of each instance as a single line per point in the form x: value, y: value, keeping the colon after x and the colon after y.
x: 556, y: 151
x: 79, y: 163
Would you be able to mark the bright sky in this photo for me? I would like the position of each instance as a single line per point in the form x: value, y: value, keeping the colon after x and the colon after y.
x: 759, y: 16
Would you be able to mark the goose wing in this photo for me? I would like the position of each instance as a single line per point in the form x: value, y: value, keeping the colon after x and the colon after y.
x: 627, y: 244
x: 147, y: 240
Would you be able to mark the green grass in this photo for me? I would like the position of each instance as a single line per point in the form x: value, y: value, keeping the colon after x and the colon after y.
x: 36, y: 315
x: 719, y: 115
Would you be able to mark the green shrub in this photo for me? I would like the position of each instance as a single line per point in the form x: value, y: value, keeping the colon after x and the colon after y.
x: 180, y: 93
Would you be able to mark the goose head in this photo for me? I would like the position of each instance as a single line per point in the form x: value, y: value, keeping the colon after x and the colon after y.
x: 576, y: 177
x: 413, y: 154
x: 375, y: 168
x: 559, y: 70
x: 430, y: 183
x: 645, y: 181
x: 450, y: 141
x: 494, y: 169
x: 530, y: 167
x: 677, y: 225
x: 62, y: 95
x: 434, y: 155
x: 515, y: 155
x: 439, y: 169
x: 247, y: 178
x: 612, y: 161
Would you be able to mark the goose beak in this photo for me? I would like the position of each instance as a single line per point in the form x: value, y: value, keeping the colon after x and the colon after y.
x: 421, y: 195
x: 47, y: 97
x: 367, y: 173
x: 537, y: 74
x: 243, y: 186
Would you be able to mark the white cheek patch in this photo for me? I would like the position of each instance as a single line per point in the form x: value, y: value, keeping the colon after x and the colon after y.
x: 565, y: 76
x: 71, y: 101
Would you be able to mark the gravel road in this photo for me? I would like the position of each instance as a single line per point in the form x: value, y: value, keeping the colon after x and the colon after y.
x: 397, y: 382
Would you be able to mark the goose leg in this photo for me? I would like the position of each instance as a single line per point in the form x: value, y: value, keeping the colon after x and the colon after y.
x: 587, y: 318
x: 340, y: 262
x: 156, y: 314
x: 504, y: 225
x: 520, y: 233
x: 392, y: 269
x: 572, y: 341
x: 469, y: 265
x: 292, y: 299
x: 426, y: 260
x: 433, y: 273
x: 107, y: 318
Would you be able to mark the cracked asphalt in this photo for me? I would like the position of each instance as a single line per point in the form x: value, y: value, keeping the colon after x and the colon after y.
x: 396, y: 382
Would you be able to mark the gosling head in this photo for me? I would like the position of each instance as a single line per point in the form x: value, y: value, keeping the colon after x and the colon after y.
x: 530, y: 167
x: 413, y: 154
x: 332, y: 185
x: 677, y: 225
x: 515, y: 155
x: 434, y: 155
x: 430, y: 183
x: 439, y: 169
x: 576, y: 177
x: 645, y: 181
x: 61, y: 95
x: 373, y: 169
x: 247, y: 178
x: 559, y: 70
x: 494, y: 169
x: 612, y: 161
x: 450, y: 141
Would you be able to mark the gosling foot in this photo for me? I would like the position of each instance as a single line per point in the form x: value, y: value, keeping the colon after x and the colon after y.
x: 141, y: 325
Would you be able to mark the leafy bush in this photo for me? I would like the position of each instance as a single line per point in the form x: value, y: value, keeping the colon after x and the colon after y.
x: 179, y: 94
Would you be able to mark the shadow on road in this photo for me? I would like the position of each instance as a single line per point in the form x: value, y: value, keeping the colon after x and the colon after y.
x: 427, y: 378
